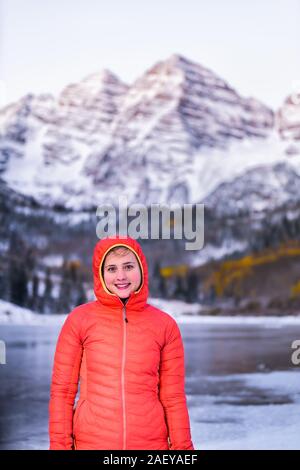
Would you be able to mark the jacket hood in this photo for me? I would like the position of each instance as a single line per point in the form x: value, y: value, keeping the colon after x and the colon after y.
x: 137, y: 300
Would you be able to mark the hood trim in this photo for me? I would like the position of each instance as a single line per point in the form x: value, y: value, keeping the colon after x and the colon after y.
x: 102, y: 261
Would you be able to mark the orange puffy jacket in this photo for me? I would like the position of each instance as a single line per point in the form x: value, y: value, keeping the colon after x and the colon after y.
x: 130, y: 363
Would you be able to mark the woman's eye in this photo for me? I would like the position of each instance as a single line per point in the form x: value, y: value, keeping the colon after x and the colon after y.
x: 113, y: 269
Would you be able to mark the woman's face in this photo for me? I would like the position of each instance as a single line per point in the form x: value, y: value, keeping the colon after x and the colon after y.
x: 122, y: 274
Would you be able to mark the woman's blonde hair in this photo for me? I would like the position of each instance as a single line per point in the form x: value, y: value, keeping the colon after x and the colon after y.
x: 119, y: 251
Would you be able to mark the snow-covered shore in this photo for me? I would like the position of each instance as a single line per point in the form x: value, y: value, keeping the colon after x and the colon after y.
x: 181, y: 311
x: 236, y: 422
x: 15, y: 315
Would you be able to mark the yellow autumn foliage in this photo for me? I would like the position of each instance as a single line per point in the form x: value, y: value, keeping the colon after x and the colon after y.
x: 295, y: 290
x: 169, y: 271
x: 232, y: 272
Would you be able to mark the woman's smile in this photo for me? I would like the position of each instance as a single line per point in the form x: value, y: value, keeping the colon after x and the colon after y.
x: 123, y: 286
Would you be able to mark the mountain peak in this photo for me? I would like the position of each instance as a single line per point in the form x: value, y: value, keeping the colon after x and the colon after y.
x: 103, y: 76
x: 190, y: 105
x: 90, y: 88
x: 177, y: 63
x: 178, y: 60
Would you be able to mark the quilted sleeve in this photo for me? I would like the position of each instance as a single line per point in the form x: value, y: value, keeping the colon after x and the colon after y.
x: 64, y: 384
x: 171, y: 390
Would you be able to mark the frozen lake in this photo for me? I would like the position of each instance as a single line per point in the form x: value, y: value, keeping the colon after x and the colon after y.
x: 243, y: 390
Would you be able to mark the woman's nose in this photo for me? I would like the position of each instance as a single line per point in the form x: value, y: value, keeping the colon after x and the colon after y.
x: 121, y: 275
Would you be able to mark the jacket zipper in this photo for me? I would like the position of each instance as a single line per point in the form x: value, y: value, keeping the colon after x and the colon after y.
x: 123, y: 376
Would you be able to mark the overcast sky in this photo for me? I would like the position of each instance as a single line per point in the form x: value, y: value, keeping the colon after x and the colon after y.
x: 253, y: 44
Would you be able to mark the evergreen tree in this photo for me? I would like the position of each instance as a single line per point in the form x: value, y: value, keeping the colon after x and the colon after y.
x: 48, y: 304
x: 192, y: 287
x: 65, y: 290
x: 179, y: 292
x: 18, y: 283
x: 81, y: 295
x: 35, y: 292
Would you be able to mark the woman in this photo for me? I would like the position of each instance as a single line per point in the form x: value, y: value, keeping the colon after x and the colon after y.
x: 129, y: 358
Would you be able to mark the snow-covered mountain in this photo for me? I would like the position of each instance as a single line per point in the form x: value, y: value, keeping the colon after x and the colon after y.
x: 256, y: 191
x: 174, y: 135
x: 45, y: 141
